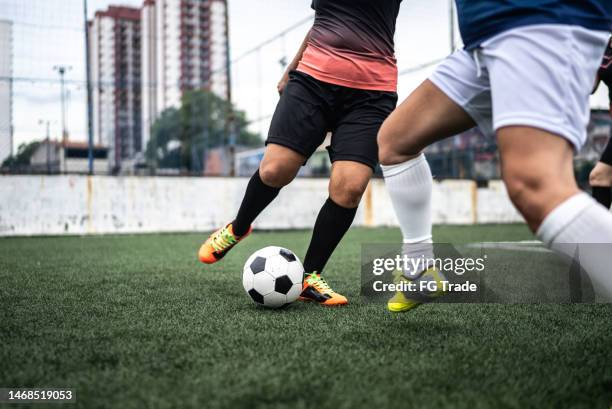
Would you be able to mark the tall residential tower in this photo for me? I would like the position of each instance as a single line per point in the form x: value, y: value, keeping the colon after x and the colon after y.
x: 184, y: 47
x: 116, y: 65
x: 6, y: 89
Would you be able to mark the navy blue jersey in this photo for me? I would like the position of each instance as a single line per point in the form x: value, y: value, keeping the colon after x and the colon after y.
x: 482, y: 19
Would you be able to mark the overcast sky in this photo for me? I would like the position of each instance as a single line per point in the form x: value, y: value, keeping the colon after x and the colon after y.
x: 49, y: 33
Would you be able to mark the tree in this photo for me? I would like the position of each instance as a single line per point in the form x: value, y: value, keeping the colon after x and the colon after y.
x: 180, y: 137
x: 23, y: 156
x: 164, y: 131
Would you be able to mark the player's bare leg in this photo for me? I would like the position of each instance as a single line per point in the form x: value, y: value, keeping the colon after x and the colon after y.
x: 280, y: 165
x: 537, y: 168
x: 277, y: 169
x: 600, y: 180
x: 601, y: 175
x: 347, y: 184
x: 415, y: 124
x: 425, y: 117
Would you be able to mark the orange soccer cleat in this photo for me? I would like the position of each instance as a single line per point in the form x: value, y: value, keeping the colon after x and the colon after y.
x: 316, y: 289
x: 219, y: 244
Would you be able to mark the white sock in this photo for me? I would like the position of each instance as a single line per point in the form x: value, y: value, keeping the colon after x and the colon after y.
x: 580, y: 226
x: 410, y: 184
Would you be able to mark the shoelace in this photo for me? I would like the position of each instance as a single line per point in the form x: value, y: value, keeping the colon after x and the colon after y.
x: 319, y: 283
x: 223, y: 239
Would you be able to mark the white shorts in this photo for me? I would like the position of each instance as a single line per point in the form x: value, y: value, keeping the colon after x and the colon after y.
x: 539, y: 76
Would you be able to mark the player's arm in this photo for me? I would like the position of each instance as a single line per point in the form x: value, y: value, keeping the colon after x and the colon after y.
x: 293, y: 65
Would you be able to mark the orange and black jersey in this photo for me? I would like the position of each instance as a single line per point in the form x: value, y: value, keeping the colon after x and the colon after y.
x: 351, y: 44
x: 357, y: 26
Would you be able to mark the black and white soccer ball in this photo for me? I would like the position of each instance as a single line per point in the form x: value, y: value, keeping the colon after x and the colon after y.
x: 273, y: 277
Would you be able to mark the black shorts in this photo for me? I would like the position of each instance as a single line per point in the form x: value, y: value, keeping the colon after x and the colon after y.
x: 308, y: 109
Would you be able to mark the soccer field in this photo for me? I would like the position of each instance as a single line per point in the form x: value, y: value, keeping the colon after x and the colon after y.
x: 136, y: 322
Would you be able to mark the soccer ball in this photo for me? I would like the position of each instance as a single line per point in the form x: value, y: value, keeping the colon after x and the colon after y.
x: 273, y: 277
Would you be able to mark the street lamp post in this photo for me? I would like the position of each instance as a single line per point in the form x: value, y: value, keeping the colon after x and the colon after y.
x: 230, y: 124
x: 61, y: 69
x: 90, y: 153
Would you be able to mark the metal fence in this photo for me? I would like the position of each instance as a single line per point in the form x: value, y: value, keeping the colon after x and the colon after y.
x: 205, y: 133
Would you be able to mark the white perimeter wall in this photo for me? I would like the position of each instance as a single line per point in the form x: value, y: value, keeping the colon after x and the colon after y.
x: 40, y: 205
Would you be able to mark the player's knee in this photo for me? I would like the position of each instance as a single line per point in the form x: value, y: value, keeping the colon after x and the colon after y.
x: 595, y: 178
x: 525, y: 191
x: 386, y: 154
x: 386, y: 149
x: 347, y: 193
x: 275, y: 174
x: 601, y: 175
x: 390, y: 152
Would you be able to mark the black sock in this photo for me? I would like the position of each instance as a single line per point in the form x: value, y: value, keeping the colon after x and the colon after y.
x: 257, y: 197
x: 603, y: 195
x: 331, y: 225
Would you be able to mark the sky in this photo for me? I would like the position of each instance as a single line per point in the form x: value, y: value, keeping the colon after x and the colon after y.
x: 48, y: 33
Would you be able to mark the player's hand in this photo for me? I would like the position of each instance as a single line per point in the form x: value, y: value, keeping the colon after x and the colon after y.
x: 283, y: 83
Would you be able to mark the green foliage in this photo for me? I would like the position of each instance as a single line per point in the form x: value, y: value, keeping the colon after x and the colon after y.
x: 23, y: 156
x: 164, y: 130
x: 181, y: 136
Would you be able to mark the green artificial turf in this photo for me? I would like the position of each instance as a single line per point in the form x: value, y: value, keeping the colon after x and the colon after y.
x: 137, y: 322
